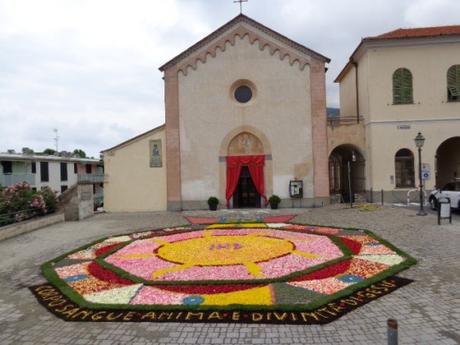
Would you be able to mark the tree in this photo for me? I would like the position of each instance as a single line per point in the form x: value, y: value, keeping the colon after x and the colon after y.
x: 27, y: 151
x: 50, y: 152
x: 79, y: 153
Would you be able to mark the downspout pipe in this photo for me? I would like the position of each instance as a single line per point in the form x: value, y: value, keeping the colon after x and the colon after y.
x: 355, y: 65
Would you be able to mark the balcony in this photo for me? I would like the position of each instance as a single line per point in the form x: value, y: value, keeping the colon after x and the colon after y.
x: 91, y: 178
x: 7, y: 180
x: 343, y: 121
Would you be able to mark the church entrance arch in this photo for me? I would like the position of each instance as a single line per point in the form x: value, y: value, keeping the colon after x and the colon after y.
x: 246, y: 194
x: 245, y: 171
x: 448, y: 162
x: 346, y: 161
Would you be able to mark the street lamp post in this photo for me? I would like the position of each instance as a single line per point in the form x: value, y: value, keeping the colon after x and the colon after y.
x: 419, y: 141
x: 350, y: 191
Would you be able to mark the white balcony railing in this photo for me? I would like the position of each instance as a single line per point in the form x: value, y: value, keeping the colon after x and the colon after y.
x: 91, y: 178
x: 7, y: 180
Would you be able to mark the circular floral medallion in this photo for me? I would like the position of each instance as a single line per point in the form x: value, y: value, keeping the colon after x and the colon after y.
x: 224, y: 254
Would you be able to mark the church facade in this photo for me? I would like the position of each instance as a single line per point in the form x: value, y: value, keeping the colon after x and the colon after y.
x: 245, y: 116
x: 245, y: 112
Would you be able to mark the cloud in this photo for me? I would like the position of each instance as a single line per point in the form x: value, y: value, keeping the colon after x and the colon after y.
x: 90, y: 67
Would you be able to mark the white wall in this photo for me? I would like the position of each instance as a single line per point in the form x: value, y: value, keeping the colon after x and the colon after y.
x: 280, y: 109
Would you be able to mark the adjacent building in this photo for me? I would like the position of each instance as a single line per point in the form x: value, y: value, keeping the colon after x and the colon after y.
x: 396, y: 85
x: 135, y: 173
x: 55, y: 172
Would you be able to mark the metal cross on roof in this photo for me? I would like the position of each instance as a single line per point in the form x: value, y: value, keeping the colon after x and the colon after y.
x: 241, y: 4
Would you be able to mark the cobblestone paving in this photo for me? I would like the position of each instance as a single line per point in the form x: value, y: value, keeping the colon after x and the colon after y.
x: 428, y: 310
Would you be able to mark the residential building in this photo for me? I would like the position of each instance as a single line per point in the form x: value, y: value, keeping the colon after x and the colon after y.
x: 58, y: 173
x: 394, y: 86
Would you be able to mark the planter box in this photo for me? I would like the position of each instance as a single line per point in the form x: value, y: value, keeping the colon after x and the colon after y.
x: 20, y: 228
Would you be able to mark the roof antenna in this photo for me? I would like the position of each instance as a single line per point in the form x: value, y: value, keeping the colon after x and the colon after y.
x: 241, y: 4
x: 56, y: 139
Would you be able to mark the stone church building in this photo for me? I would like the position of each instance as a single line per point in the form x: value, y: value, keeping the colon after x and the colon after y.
x: 245, y: 112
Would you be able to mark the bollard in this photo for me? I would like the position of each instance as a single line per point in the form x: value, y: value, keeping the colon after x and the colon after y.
x: 381, y: 196
x: 392, y: 331
x: 372, y: 196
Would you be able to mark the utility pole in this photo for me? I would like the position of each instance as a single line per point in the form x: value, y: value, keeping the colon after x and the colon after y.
x: 56, y: 139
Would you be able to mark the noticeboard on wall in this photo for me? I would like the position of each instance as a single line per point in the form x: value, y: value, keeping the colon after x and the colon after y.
x: 296, y: 189
x: 156, y: 160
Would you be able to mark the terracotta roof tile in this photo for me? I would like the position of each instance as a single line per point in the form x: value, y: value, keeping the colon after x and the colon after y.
x: 419, y: 32
x: 434, y: 31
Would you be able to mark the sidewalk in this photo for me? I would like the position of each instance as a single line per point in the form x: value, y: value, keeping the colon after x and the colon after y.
x: 428, y: 310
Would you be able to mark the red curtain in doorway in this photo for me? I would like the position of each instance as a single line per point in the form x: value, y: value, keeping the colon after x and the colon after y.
x: 255, y: 165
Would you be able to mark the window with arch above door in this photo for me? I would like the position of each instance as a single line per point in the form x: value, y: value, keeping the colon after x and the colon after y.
x: 404, y: 169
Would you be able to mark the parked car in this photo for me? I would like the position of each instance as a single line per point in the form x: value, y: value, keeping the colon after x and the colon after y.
x: 450, y: 190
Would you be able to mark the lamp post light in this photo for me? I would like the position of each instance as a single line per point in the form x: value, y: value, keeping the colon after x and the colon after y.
x: 419, y: 141
x: 350, y: 192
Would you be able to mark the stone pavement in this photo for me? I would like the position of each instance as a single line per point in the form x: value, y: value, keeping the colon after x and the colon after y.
x: 428, y: 310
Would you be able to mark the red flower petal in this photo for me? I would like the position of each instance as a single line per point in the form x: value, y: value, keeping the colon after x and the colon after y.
x: 104, y: 274
x: 326, y: 272
x: 354, y: 246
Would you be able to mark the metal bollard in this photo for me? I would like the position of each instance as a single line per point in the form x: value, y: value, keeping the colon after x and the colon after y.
x: 381, y: 196
x: 392, y: 331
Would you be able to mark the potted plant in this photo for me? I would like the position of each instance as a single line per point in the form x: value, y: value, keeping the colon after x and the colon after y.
x: 274, y: 201
x: 213, y: 202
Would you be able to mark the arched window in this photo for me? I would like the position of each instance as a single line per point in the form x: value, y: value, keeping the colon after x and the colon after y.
x: 453, y: 83
x: 402, y: 86
x: 404, y: 166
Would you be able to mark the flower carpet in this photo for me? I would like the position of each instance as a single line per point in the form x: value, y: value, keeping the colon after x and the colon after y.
x: 223, y: 272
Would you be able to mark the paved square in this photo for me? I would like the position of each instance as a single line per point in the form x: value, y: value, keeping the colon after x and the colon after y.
x: 428, y: 310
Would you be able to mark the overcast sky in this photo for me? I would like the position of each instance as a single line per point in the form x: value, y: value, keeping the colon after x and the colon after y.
x: 90, y: 67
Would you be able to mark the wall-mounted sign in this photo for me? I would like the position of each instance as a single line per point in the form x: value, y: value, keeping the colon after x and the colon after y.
x: 296, y: 189
x: 155, y: 153
x: 426, y: 171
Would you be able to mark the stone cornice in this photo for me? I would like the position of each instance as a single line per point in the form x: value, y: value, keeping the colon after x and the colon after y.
x: 241, y: 32
x: 236, y: 28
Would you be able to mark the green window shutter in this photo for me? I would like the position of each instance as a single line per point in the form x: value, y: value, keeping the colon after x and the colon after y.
x: 402, y: 86
x: 453, y: 83
x: 397, y: 91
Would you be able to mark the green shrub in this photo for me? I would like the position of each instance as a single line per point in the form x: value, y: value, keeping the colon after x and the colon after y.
x: 274, y: 201
x: 213, y: 202
x: 50, y: 199
x: 19, y: 202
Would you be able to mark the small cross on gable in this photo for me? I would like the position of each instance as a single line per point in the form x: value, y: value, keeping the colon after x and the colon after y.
x: 241, y: 4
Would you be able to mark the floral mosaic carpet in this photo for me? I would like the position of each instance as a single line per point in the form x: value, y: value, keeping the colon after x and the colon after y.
x: 223, y: 272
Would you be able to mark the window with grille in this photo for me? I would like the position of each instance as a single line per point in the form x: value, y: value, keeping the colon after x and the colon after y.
x: 404, y: 166
x: 402, y: 87
x: 63, y: 171
x: 7, y: 167
x: 44, y: 172
x: 453, y: 83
